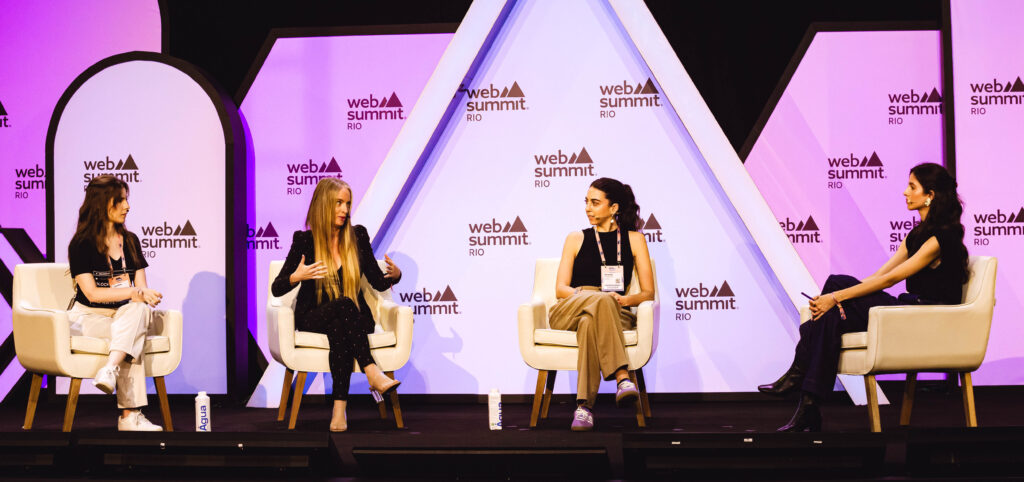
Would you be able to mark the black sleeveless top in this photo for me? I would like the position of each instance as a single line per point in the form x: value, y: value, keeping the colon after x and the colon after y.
x: 942, y: 284
x: 586, y: 267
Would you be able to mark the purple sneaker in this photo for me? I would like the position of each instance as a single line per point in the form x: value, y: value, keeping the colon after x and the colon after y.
x: 582, y: 420
x: 626, y: 393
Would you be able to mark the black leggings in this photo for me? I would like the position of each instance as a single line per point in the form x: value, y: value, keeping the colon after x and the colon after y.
x: 346, y: 331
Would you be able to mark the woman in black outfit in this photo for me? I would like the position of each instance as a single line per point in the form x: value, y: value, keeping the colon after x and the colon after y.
x: 933, y: 261
x: 328, y: 260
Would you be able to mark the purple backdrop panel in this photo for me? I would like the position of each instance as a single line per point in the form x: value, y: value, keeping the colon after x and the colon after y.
x: 861, y: 109
x: 321, y: 107
x: 988, y: 63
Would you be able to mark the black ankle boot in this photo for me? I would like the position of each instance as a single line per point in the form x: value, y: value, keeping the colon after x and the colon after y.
x: 786, y: 384
x: 807, y: 417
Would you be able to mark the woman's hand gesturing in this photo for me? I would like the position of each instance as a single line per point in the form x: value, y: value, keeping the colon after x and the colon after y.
x: 391, y: 271
x: 305, y: 271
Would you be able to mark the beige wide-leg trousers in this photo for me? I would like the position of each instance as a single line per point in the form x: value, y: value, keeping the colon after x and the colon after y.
x: 598, y: 321
x: 126, y: 328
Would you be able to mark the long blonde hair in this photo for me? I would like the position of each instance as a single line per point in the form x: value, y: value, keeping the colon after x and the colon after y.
x: 320, y: 221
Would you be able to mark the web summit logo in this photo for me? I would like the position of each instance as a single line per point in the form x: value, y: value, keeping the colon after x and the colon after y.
x: 427, y: 303
x: 4, y: 122
x: 913, y: 103
x: 372, y: 109
x: 27, y: 180
x: 899, y: 230
x: 803, y: 232
x: 262, y: 238
x: 702, y: 298
x: 167, y: 237
x: 494, y: 99
x: 627, y: 96
x: 852, y: 167
x: 494, y: 233
x: 559, y: 164
x: 996, y: 93
x: 997, y: 225
x: 124, y: 169
x: 651, y: 229
x: 309, y: 173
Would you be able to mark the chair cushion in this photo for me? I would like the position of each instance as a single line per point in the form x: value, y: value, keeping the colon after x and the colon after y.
x: 100, y: 346
x: 568, y: 338
x: 308, y: 339
x: 855, y: 339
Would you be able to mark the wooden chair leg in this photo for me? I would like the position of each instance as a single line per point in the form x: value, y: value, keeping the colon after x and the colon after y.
x: 549, y: 390
x: 542, y: 376
x: 908, y: 398
x: 165, y: 406
x: 300, y: 386
x: 871, y: 388
x: 639, y: 405
x: 286, y: 389
x: 69, y: 409
x: 382, y: 406
x: 33, y: 400
x: 967, y: 388
x: 397, y: 408
x: 642, y: 386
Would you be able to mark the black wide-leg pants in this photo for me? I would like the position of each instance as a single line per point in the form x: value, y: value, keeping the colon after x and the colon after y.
x: 820, y: 340
x: 346, y: 332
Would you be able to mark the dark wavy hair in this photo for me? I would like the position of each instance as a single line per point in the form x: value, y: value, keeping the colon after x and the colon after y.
x: 628, y: 217
x: 946, y: 208
x: 92, y: 216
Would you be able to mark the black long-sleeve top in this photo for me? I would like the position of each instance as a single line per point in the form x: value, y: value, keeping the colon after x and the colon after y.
x: 302, y: 245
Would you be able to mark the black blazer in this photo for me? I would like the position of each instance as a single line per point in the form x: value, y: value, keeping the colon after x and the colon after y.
x: 302, y: 245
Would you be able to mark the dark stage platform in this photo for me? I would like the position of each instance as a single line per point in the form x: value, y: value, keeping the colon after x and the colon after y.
x: 690, y: 436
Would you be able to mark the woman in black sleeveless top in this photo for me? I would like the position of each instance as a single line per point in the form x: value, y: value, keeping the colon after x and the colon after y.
x: 933, y: 261
x: 596, y: 311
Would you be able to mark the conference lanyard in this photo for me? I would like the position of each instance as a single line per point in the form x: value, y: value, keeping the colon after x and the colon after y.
x: 612, y: 277
x: 122, y: 280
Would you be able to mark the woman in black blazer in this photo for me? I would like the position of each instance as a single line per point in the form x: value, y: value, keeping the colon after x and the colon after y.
x: 328, y: 261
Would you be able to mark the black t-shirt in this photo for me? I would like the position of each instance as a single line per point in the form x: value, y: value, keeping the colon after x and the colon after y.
x: 586, y: 267
x: 83, y: 257
x: 942, y: 284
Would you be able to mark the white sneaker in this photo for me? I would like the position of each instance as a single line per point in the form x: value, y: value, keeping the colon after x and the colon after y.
x: 106, y: 378
x: 137, y: 422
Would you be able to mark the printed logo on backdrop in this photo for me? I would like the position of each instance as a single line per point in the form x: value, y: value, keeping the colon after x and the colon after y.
x: 493, y: 99
x: 997, y: 225
x: 651, y: 229
x: 125, y: 169
x: 913, y: 103
x: 426, y: 302
x: 498, y: 235
x: 556, y: 165
x: 262, y: 237
x: 4, y: 118
x: 308, y: 174
x: 371, y: 109
x: 899, y: 228
x: 853, y: 169
x: 28, y: 181
x: 158, y: 238
x: 801, y: 232
x: 996, y: 95
x: 703, y: 298
x: 627, y: 96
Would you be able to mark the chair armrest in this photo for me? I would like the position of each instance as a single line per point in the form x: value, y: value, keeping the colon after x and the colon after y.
x: 646, y: 330
x: 906, y: 338
x: 532, y: 316
x: 42, y: 339
x: 281, y: 332
x: 805, y: 314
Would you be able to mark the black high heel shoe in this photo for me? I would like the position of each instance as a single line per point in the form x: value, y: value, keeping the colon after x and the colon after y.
x: 786, y: 384
x: 807, y: 417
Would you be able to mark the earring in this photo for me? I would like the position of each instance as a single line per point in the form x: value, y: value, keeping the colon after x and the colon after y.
x: 928, y: 202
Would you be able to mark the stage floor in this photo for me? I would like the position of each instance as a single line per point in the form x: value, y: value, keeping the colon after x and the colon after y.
x: 452, y: 440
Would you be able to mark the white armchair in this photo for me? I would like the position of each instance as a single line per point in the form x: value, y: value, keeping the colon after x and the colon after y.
x: 303, y: 352
x: 549, y: 350
x: 44, y: 345
x: 934, y: 338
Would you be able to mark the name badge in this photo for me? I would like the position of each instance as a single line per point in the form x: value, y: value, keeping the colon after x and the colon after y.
x: 121, y: 281
x: 612, y: 278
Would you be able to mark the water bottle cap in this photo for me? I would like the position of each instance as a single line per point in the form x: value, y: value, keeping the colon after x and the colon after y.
x: 202, y: 394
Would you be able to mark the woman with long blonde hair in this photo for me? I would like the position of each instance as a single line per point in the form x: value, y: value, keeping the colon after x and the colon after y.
x: 328, y: 261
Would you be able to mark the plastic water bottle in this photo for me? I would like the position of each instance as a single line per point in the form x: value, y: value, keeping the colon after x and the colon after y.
x: 202, y: 412
x: 494, y: 409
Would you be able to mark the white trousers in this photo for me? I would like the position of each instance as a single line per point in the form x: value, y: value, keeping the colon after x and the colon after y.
x: 126, y: 329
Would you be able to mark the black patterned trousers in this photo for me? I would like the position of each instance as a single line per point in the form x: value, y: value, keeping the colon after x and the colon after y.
x: 346, y: 329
